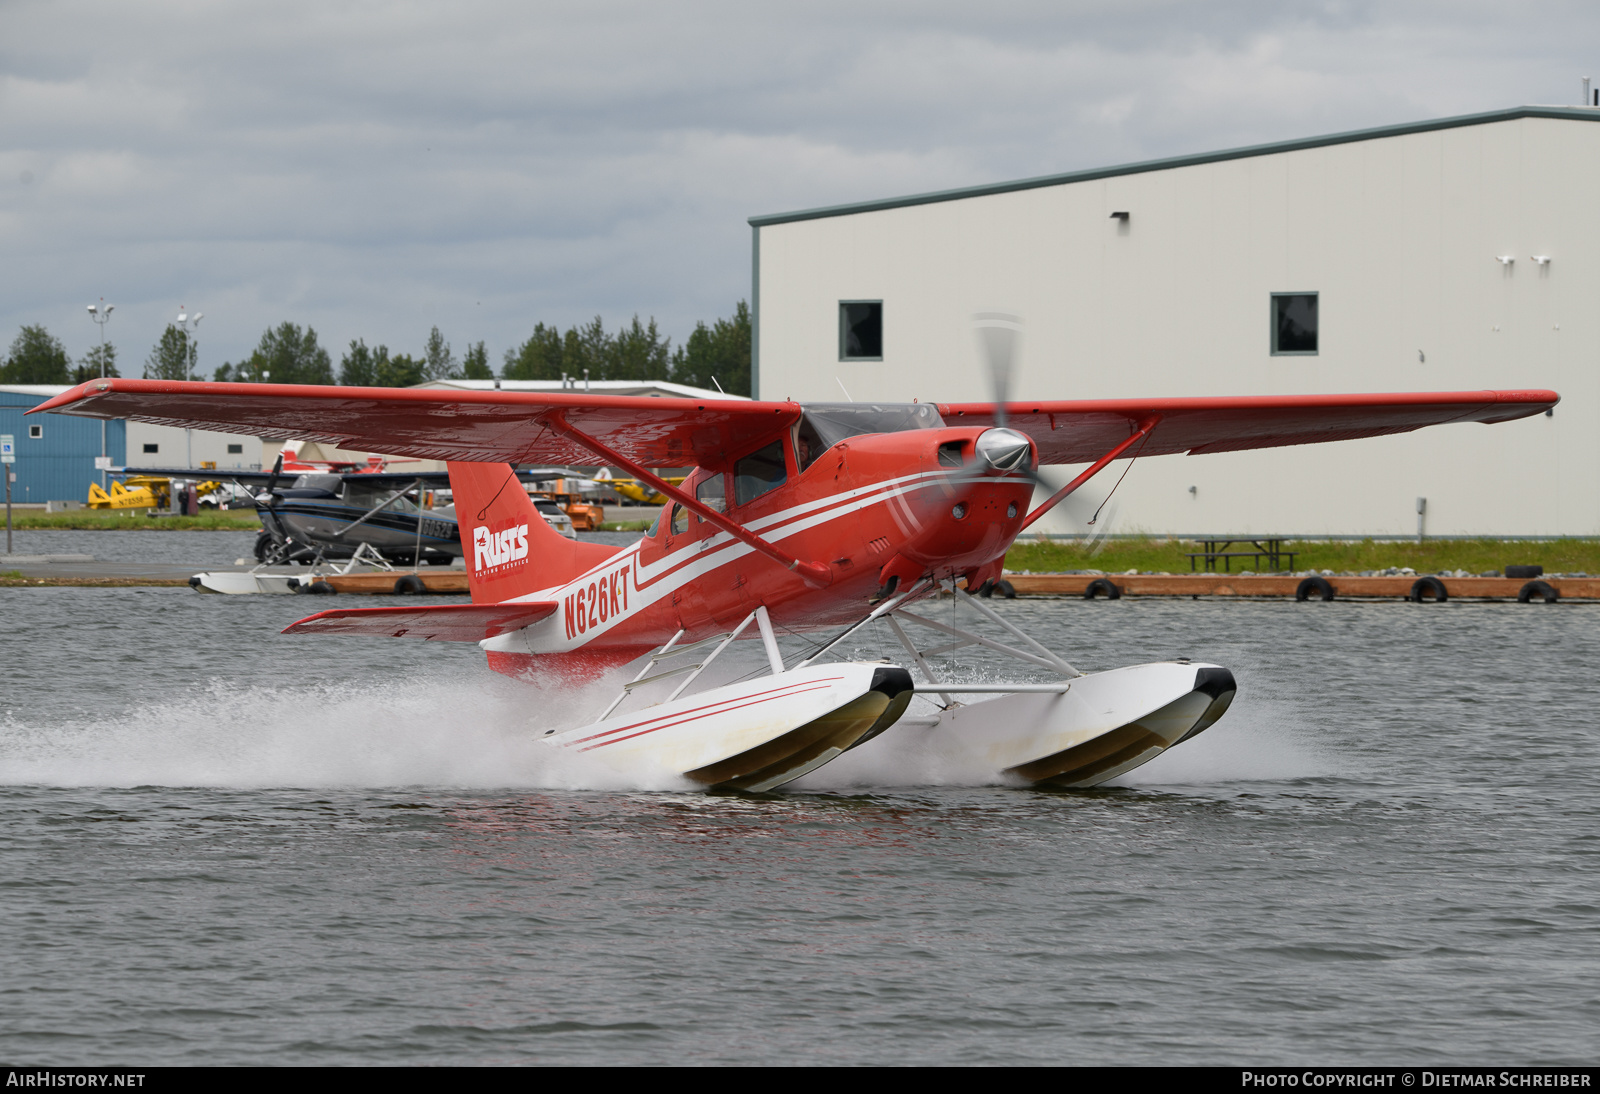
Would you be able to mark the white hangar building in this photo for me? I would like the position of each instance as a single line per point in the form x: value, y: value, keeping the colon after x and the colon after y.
x: 1455, y: 254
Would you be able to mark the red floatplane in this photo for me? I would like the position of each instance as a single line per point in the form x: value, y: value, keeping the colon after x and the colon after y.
x: 800, y: 518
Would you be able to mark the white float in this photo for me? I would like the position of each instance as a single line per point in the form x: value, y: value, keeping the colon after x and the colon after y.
x: 239, y: 583
x: 1077, y: 734
x: 1078, y: 731
x: 755, y: 735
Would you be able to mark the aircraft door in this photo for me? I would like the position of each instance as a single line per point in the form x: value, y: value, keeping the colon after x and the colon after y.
x: 727, y: 589
x: 675, y: 546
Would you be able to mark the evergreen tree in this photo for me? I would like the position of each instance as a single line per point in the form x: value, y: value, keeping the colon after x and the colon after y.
x: 287, y: 355
x: 719, y: 354
x: 539, y: 358
x: 358, y: 367
x: 475, y: 366
x: 640, y: 353
x: 573, y: 358
x: 401, y: 370
x: 36, y: 358
x: 99, y: 361
x: 439, y: 362
x: 173, y: 357
x: 588, y: 348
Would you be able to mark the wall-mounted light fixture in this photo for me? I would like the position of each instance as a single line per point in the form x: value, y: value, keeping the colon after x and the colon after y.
x: 1123, y: 216
x: 1540, y: 260
x: 1194, y: 491
x: 1504, y: 260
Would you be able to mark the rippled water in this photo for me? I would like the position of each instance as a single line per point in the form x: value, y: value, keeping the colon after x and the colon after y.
x: 225, y: 846
x: 188, y: 548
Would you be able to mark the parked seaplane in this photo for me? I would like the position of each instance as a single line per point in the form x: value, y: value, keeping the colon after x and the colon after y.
x: 802, y: 518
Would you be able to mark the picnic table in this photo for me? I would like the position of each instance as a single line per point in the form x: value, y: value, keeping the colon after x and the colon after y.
x: 1264, y: 547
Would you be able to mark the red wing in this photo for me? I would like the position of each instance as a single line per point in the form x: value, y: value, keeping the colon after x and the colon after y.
x: 1084, y: 430
x: 435, y: 622
x: 475, y: 426
x: 512, y: 427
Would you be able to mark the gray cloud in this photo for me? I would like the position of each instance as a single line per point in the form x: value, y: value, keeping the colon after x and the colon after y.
x: 375, y: 169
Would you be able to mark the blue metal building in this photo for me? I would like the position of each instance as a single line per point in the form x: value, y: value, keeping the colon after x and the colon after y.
x: 55, y: 453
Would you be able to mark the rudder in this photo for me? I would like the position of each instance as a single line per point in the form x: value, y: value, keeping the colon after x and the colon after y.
x: 510, y: 549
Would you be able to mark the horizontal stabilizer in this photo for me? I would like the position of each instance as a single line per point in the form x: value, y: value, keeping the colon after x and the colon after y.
x: 435, y: 622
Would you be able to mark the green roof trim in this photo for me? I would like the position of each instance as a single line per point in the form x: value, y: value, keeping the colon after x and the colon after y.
x: 1566, y: 113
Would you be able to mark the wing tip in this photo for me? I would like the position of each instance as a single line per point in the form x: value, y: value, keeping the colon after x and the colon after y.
x: 71, y: 395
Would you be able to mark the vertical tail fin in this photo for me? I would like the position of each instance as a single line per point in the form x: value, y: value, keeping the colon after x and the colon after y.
x: 511, y: 551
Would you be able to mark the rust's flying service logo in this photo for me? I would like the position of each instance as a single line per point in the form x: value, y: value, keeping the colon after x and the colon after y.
x: 495, y: 549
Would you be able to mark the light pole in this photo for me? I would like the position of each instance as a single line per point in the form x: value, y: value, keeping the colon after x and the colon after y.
x: 101, y: 316
x: 188, y: 324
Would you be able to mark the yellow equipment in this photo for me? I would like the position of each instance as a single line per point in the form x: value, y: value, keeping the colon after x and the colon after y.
x: 138, y: 492
x: 634, y: 490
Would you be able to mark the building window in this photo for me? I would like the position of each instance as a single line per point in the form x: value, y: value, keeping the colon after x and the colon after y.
x: 36, y: 432
x: 861, y: 330
x: 152, y: 448
x: 236, y: 450
x: 1294, y: 324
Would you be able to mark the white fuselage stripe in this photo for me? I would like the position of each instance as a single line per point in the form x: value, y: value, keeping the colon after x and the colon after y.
x: 659, y: 579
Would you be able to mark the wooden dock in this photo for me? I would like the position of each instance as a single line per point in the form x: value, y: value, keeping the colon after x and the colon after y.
x: 1221, y: 586
x: 1263, y: 586
x: 442, y: 583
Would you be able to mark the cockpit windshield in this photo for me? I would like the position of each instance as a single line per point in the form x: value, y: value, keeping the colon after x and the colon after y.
x: 327, y: 483
x: 823, y: 425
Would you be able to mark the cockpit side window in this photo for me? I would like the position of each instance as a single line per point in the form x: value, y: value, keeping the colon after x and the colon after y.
x: 713, y: 493
x: 680, y: 520
x: 759, y: 472
x: 365, y: 496
x: 808, y: 443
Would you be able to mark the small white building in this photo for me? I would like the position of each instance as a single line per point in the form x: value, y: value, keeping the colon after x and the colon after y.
x: 1460, y: 253
x: 169, y: 446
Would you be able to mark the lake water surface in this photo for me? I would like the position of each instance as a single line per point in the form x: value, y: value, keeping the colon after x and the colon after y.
x: 222, y: 845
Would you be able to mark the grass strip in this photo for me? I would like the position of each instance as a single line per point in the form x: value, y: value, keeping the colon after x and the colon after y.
x: 1150, y: 554
x: 134, y: 520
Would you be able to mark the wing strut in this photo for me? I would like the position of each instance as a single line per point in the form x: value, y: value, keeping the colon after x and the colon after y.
x: 1094, y: 469
x: 814, y: 573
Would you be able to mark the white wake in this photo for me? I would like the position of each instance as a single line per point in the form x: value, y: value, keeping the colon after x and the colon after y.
x: 479, y: 730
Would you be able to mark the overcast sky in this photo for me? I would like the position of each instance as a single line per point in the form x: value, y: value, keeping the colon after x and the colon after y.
x: 374, y: 169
